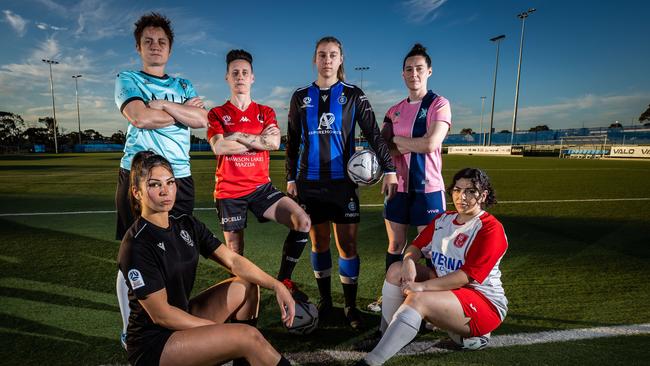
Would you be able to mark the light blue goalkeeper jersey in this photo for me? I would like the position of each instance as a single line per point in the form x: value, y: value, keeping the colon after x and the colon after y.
x: 172, y: 142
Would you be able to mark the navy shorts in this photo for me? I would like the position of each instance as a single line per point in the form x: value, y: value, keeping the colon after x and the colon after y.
x: 414, y: 208
x: 336, y: 201
x: 232, y: 211
x: 184, y: 203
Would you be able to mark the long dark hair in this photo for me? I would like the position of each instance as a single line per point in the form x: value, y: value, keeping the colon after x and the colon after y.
x: 480, y: 180
x: 141, y: 166
x: 340, y: 73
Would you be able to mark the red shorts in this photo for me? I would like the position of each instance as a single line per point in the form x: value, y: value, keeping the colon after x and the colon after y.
x: 484, y: 315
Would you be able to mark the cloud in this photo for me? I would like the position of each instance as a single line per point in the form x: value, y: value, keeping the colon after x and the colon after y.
x: 422, y: 11
x: 16, y: 22
x: 45, y: 26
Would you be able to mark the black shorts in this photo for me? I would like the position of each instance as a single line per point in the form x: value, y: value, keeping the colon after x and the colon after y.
x: 232, y: 211
x: 336, y: 201
x: 184, y: 201
x: 149, y: 353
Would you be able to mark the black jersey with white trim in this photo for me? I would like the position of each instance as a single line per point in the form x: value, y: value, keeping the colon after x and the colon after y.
x: 321, y: 130
x: 152, y: 258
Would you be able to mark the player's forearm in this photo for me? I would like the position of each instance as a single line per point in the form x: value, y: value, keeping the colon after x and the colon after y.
x: 176, y: 319
x: 258, y: 142
x: 190, y: 116
x: 247, y: 270
x: 454, y: 280
x: 149, y: 119
x: 420, y: 145
x: 221, y: 146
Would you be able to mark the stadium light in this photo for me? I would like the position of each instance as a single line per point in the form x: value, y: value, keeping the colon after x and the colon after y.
x: 52, y: 62
x: 362, y: 69
x: 482, y: 109
x: 76, y: 93
x: 523, y: 17
x: 497, y: 40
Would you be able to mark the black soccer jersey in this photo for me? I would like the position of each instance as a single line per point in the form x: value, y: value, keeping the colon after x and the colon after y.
x: 152, y: 258
x: 320, y: 138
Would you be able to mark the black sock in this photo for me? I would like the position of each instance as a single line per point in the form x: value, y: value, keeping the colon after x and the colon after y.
x: 392, y: 258
x: 292, y: 249
x: 283, y: 361
x: 350, y: 294
x: 325, y: 288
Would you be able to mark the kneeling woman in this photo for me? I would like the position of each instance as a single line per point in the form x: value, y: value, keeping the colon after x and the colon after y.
x: 159, y: 256
x: 462, y: 293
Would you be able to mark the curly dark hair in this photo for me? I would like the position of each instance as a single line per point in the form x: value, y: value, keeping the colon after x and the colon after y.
x: 141, y: 165
x: 153, y: 20
x: 239, y: 55
x: 480, y: 180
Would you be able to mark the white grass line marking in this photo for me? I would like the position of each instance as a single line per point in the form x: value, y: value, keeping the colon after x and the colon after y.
x: 363, y: 205
x: 508, y: 340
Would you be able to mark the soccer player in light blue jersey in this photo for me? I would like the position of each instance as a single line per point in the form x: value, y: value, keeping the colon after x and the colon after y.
x: 160, y: 110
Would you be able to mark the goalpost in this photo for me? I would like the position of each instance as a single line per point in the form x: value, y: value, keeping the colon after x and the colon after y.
x: 584, y: 147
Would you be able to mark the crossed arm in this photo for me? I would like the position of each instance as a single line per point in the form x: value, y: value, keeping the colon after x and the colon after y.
x: 239, y: 142
x: 453, y: 280
x: 170, y: 317
x: 163, y: 113
x: 428, y: 143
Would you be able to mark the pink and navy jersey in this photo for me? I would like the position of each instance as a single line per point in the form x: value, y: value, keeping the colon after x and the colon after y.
x: 475, y: 247
x: 419, y: 172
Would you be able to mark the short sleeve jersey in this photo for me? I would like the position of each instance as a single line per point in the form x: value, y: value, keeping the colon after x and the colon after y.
x: 240, y: 174
x: 172, y: 142
x: 321, y: 131
x: 403, y: 116
x: 152, y: 258
x: 475, y: 247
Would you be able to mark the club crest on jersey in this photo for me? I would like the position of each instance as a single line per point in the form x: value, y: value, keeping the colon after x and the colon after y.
x: 460, y: 240
x: 260, y: 118
x: 135, y: 278
x: 326, y: 120
x: 342, y: 99
x: 423, y: 113
x: 306, y: 102
x: 188, y: 239
x: 183, y: 85
x: 227, y: 119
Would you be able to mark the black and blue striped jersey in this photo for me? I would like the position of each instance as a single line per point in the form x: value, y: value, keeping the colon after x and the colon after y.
x: 321, y: 130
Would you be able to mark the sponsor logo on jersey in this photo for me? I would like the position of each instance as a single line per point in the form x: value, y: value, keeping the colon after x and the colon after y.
x: 460, y: 240
x: 326, y: 120
x: 136, y: 279
x: 244, y: 119
x: 273, y: 195
x: 324, y: 97
x: 434, y: 211
x: 306, y: 102
x: 473, y: 307
x: 226, y: 220
x: 188, y: 239
x: 445, y: 264
x: 352, y: 206
x: 423, y: 113
x: 161, y: 245
x: 342, y: 99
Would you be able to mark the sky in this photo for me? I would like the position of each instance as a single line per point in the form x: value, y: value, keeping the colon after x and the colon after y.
x: 584, y: 62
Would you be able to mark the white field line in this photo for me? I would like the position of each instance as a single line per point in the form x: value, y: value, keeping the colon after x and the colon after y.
x: 509, y: 340
x: 363, y: 205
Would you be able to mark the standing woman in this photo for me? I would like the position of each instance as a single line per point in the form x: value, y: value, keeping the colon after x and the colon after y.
x: 461, y: 292
x: 414, y: 129
x: 320, y: 141
x: 159, y: 256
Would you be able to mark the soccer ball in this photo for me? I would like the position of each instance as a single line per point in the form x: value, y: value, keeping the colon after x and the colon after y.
x: 363, y: 168
x: 472, y: 343
x: 306, y: 318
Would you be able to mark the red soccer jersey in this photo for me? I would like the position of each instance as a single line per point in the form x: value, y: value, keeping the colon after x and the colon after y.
x: 240, y: 174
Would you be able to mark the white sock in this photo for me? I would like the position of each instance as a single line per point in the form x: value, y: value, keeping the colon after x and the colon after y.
x: 402, y: 330
x: 392, y: 298
x: 123, y: 299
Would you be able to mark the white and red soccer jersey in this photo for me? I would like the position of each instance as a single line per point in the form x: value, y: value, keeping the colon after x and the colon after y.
x: 402, y: 116
x: 475, y: 247
x: 240, y: 174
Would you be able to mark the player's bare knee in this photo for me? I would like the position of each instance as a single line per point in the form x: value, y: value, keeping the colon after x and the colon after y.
x: 304, y: 223
x: 394, y: 273
x: 395, y: 247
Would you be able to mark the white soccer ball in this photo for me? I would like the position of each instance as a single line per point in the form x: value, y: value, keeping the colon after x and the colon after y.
x: 471, y: 343
x: 363, y: 168
x: 306, y: 318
